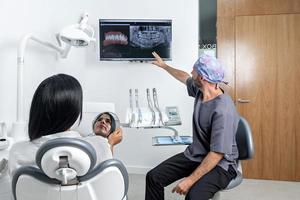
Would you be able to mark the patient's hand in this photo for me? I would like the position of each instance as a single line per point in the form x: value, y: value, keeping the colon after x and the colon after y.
x: 115, y: 137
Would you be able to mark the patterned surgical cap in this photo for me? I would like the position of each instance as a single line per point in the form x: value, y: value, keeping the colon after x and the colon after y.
x: 210, y: 68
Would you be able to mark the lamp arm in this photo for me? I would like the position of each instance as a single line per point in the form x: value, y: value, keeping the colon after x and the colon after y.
x: 19, y: 127
x: 48, y: 44
x: 23, y: 43
x: 21, y: 54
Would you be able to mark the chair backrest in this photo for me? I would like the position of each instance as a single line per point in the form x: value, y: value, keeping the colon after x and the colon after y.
x: 66, y: 171
x: 244, y: 140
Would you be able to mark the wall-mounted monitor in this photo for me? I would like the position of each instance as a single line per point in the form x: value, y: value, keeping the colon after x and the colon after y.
x: 134, y: 40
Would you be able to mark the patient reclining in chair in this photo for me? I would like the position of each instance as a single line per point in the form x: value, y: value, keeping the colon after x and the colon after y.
x: 58, y: 163
x: 107, y: 125
x: 55, y: 107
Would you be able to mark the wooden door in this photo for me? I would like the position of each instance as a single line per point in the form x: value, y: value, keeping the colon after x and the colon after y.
x: 268, y: 74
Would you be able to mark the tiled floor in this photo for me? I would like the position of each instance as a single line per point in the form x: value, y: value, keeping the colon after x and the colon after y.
x: 249, y: 190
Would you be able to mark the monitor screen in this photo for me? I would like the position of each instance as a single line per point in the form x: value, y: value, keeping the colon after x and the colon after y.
x: 134, y: 40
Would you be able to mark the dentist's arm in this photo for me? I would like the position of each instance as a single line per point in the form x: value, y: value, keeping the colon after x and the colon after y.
x: 180, y: 75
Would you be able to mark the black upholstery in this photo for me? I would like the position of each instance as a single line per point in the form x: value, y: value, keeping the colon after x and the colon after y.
x: 244, y: 140
x: 245, y: 146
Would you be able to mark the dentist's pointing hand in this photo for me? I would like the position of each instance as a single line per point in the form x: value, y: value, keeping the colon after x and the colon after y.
x: 158, y: 61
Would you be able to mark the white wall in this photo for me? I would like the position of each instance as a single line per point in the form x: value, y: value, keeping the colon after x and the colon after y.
x: 101, y: 81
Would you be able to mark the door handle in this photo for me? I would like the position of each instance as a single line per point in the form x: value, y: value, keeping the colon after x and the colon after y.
x: 244, y: 100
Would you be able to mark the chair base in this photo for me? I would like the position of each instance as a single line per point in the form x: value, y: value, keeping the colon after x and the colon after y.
x: 233, y: 183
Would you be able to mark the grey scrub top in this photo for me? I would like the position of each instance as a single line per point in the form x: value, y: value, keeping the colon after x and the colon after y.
x: 215, y: 124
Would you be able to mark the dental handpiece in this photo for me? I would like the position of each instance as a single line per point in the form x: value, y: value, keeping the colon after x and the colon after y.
x: 150, y: 106
x: 137, y: 106
x: 132, y: 116
x: 155, y: 100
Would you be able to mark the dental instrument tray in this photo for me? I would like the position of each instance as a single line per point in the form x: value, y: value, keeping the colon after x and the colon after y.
x: 171, y: 140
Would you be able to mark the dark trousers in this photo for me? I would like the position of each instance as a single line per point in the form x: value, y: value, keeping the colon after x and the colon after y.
x: 178, y: 167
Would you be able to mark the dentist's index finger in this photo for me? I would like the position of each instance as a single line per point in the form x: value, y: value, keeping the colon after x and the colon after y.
x: 155, y: 55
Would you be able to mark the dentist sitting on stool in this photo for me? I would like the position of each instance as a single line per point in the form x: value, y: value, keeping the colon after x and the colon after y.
x: 209, y: 163
x: 55, y: 107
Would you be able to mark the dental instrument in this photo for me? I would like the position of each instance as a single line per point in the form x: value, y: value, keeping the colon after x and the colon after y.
x: 156, y: 106
x: 140, y: 117
x: 150, y: 106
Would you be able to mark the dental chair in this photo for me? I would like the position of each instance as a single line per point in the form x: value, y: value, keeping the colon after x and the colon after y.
x: 66, y: 171
x: 246, y: 151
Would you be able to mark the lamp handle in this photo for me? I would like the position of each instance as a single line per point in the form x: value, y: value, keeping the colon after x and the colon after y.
x: 83, y: 21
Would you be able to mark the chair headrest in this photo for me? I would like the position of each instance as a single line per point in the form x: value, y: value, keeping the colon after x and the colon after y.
x: 66, y: 156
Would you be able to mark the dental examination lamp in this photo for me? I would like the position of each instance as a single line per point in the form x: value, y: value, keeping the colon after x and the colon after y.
x: 77, y: 35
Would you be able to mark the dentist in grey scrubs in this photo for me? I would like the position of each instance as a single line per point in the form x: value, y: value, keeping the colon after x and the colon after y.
x: 209, y: 163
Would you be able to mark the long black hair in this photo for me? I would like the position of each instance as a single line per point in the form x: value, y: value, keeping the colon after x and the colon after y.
x: 56, y: 105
